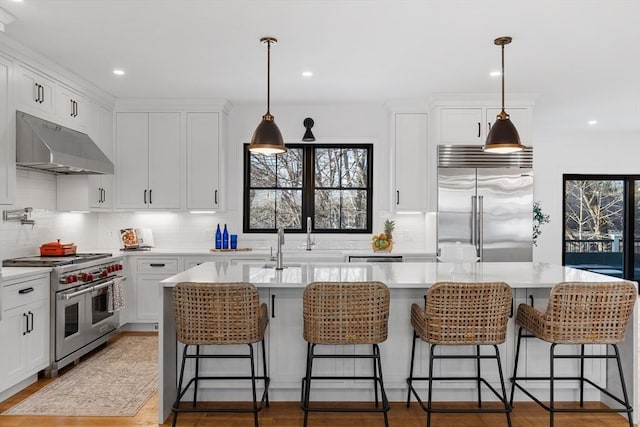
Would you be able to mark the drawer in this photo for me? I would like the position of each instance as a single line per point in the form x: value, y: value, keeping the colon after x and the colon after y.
x: 24, y: 292
x: 158, y: 265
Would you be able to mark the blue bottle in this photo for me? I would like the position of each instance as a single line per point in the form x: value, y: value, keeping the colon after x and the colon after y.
x: 225, y: 238
x: 218, y: 238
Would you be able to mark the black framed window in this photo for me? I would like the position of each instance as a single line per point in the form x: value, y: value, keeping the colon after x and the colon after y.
x: 330, y: 183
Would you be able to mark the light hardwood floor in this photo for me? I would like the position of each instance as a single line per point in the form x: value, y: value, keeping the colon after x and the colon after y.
x: 288, y: 414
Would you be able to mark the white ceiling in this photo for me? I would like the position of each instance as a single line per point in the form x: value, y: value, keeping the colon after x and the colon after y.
x: 580, y: 57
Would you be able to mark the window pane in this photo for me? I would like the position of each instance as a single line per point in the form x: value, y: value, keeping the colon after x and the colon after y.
x: 290, y: 167
x: 327, y: 213
x: 262, y: 206
x: 289, y: 208
x: 354, y: 167
x: 594, y: 226
x: 327, y: 167
x: 354, y: 209
x: 263, y: 170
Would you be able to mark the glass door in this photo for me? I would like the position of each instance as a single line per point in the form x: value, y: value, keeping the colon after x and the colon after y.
x: 594, y: 223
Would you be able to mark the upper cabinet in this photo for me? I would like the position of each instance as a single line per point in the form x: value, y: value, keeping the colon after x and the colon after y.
x: 35, y: 92
x: 7, y: 135
x: 471, y: 125
x: 205, y: 165
x: 411, y: 160
x: 148, y: 172
x: 72, y: 109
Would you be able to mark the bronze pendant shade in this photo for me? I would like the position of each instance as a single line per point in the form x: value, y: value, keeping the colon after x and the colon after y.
x: 267, y: 138
x: 503, y: 136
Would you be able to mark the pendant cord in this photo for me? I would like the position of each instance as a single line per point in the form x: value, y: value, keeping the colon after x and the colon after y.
x: 269, y: 76
x: 503, y: 78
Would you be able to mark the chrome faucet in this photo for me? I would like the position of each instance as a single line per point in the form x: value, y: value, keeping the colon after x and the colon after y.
x: 309, y: 242
x: 279, y: 264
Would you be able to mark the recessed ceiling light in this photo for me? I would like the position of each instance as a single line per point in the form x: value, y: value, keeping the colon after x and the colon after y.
x: 307, y: 74
x: 592, y: 122
x: 17, y: 1
x: 495, y: 74
x: 118, y: 72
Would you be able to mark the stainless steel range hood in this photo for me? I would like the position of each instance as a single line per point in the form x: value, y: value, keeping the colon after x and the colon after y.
x: 47, y: 146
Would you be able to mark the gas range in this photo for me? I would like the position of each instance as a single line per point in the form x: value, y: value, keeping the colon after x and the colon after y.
x: 53, y: 261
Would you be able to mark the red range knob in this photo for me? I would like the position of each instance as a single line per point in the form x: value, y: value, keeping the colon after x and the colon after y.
x: 104, y: 273
x: 90, y: 277
x: 109, y: 268
x: 84, y: 277
x: 119, y: 266
x: 68, y: 279
x: 74, y: 278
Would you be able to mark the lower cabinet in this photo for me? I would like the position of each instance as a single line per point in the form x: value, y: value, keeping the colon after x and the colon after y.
x: 24, y: 329
x: 148, y: 272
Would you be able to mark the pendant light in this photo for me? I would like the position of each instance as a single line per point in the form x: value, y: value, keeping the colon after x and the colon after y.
x: 308, y: 135
x: 267, y: 138
x: 503, y: 136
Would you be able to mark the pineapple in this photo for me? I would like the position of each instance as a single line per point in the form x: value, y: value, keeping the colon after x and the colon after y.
x: 389, y: 226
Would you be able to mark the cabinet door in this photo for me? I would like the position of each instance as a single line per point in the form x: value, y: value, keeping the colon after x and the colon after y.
x: 521, y: 119
x: 203, y: 161
x: 7, y: 138
x: 101, y: 186
x: 36, y: 342
x: 13, y: 327
x: 411, y: 162
x: 164, y: 161
x: 148, y: 290
x: 461, y: 126
x: 132, y: 150
x: 72, y: 109
x: 35, y: 92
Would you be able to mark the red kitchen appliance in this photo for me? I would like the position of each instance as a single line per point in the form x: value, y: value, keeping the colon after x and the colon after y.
x: 57, y: 249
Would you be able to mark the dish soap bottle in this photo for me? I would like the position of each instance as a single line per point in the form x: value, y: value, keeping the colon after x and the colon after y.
x: 225, y: 238
x: 218, y: 238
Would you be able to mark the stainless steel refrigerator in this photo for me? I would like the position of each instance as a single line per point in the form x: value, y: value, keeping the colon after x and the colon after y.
x: 486, y: 200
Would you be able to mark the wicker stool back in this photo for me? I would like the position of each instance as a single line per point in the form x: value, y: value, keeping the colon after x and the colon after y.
x: 346, y: 313
x: 464, y: 313
x: 218, y: 313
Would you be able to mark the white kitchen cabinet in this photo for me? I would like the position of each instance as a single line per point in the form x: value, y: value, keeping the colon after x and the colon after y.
x: 205, y: 160
x: 35, y: 92
x: 101, y: 186
x: 471, y: 125
x: 24, y: 329
x: 411, y: 162
x: 7, y: 134
x: 149, y: 272
x: 72, y: 109
x: 148, y: 172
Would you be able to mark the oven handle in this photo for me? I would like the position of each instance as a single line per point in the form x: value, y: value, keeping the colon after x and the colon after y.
x: 69, y: 295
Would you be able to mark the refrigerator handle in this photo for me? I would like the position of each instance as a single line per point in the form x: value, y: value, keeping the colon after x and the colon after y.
x: 481, y: 227
x: 474, y: 222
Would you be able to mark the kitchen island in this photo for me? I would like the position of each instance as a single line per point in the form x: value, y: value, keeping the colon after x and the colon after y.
x: 282, y: 291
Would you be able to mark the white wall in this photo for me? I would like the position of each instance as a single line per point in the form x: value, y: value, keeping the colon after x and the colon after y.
x: 588, y: 152
x: 38, y: 190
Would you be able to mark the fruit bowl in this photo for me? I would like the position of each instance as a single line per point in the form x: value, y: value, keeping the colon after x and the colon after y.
x: 382, y: 245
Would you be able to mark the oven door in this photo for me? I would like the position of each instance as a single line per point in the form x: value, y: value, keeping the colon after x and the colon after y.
x: 71, y: 320
x: 100, y: 320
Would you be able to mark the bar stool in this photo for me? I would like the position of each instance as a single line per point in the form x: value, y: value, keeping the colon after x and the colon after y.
x: 458, y: 314
x: 578, y: 314
x: 338, y: 313
x: 220, y: 314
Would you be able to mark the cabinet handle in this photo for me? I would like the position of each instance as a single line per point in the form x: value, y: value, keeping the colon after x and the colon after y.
x: 157, y: 264
x: 531, y: 299
x: 215, y: 197
x: 145, y: 197
x: 104, y: 195
x: 75, y: 106
x: 478, y: 129
x: 273, y: 306
x: 26, y: 330
x: 26, y: 290
x: 425, y: 301
x: 489, y: 125
x: 150, y: 200
x: 397, y: 197
x: 31, y: 316
x: 41, y: 89
x: 72, y: 109
x: 36, y: 92
x: 100, y: 195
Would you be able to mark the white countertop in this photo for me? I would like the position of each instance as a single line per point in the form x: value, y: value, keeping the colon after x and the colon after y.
x: 9, y: 273
x: 292, y: 252
x: 394, y: 275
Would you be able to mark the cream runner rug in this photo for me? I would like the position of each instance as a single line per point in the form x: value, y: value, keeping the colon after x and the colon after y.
x: 116, y: 381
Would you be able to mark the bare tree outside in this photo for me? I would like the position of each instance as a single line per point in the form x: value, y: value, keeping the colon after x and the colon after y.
x: 340, y: 188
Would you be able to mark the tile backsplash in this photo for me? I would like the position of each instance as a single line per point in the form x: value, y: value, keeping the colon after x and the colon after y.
x: 171, y: 230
